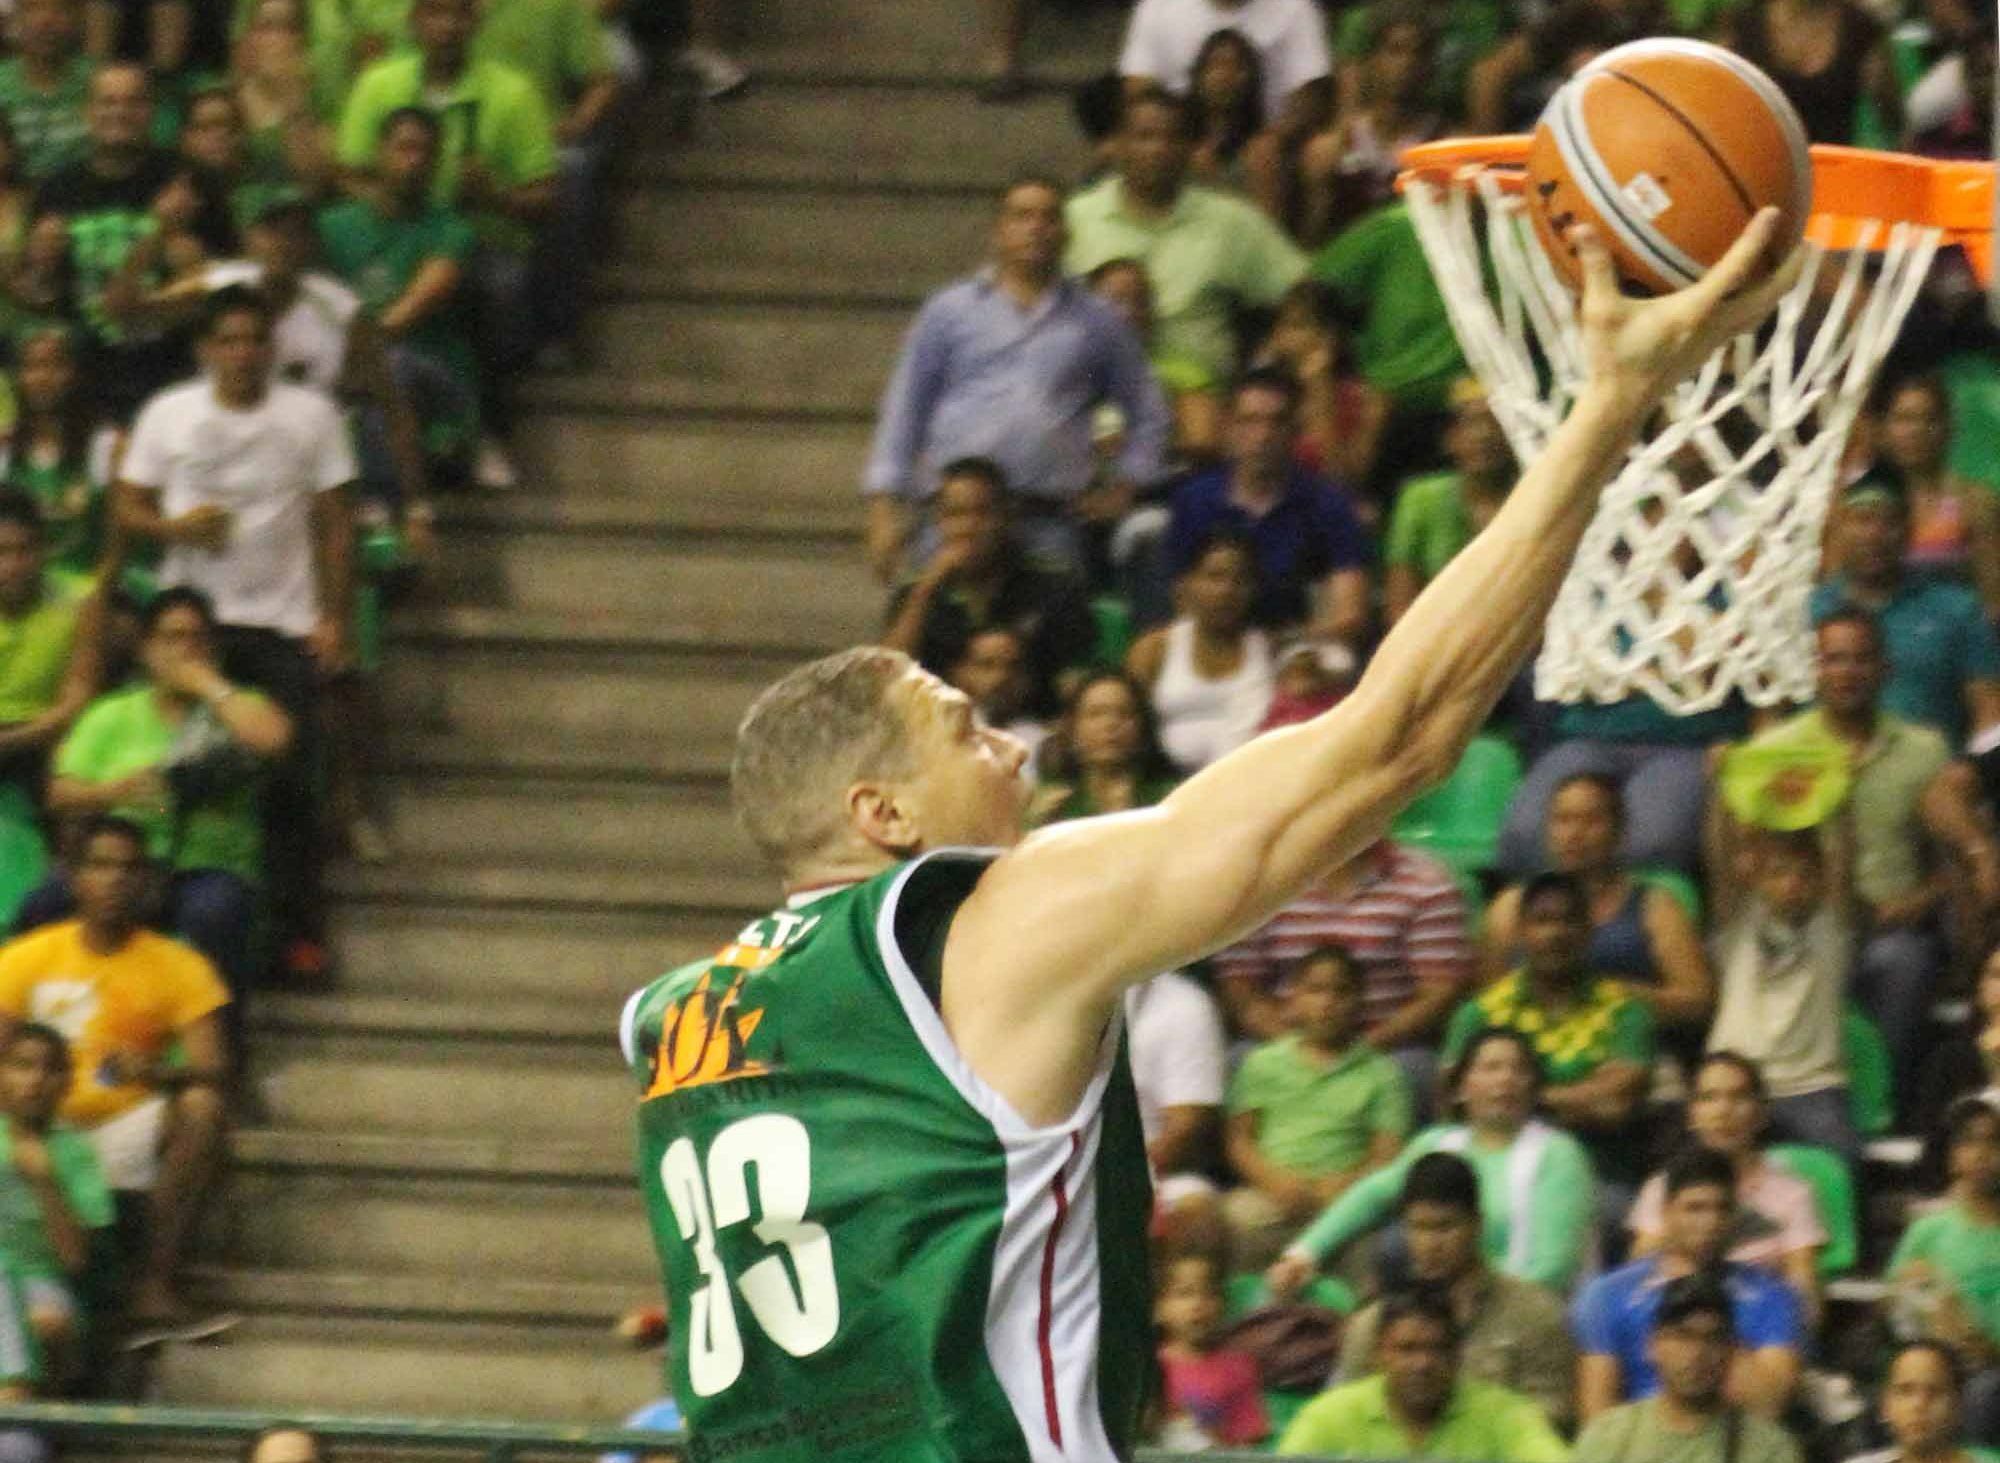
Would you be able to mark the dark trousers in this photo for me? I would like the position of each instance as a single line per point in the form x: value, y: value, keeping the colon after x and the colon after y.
x: 282, y: 669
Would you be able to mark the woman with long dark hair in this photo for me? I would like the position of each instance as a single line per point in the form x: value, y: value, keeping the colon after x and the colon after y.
x: 1106, y: 757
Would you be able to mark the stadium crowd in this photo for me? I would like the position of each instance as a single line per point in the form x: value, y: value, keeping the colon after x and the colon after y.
x: 1552, y: 1125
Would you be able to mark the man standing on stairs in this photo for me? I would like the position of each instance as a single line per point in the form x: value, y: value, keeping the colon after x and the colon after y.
x: 1011, y: 365
x: 888, y: 1139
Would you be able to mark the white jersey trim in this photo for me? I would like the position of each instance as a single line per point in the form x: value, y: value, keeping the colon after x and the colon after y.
x: 628, y: 1026
x: 1044, y: 1305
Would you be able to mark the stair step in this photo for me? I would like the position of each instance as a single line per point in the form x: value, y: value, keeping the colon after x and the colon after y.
x: 624, y: 822
x: 728, y: 895
x: 605, y: 391
x: 426, y: 1369
x: 507, y: 1298
x: 693, y: 588
x: 565, y: 1090
x: 459, y: 1229
x: 488, y: 682
x: 892, y: 243
x: 363, y: 1013
x: 822, y: 358
x: 470, y: 953
x: 485, y: 1156
x: 788, y: 133
x: 873, y: 40
x: 830, y: 522
x: 747, y: 473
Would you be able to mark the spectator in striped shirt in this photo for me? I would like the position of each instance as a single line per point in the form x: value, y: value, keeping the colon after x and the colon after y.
x: 1400, y: 914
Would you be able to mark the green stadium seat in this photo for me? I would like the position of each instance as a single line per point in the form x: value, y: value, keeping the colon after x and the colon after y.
x: 1870, y: 1082
x: 1458, y: 821
x: 24, y: 858
x: 1833, y: 1187
x: 1973, y: 381
x: 1114, y: 630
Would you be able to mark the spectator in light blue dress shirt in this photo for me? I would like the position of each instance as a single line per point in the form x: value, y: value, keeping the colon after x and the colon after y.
x: 1011, y: 364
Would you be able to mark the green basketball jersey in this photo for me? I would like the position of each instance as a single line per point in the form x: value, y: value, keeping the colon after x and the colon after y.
x: 867, y: 1253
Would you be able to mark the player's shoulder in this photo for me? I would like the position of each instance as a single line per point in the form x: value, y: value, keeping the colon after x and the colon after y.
x: 652, y: 998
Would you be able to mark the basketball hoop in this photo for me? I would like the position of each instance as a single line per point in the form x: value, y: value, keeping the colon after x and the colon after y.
x: 1691, y: 582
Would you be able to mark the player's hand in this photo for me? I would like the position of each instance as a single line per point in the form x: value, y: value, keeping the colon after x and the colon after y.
x: 1645, y: 346
x: 1288, y: 1275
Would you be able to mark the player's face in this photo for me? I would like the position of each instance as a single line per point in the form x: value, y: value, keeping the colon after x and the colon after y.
x: 1919, y: 1402
x: 1697, y: 1221
x: 1849, y: 668
x: 1692, y: 1357
x: 1443, y: 1240
x: 968, y: 790
x: 1725, y: 1114
x: 33, y: 1079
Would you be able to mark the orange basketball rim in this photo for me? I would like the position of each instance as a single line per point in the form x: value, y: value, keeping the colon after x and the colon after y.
x: 1854, y: 189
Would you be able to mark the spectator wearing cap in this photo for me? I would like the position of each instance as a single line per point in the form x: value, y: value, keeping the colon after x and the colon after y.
x: 1944, y: 1276
x: 142, y: 1014
x: 43, y: 86
x: 244, y: 481
x: 1943, y: 656
x: 979, y: 579
x: 1513, y: 1333
x: 1417, y: 1404
x: 1012, y: 365
x: 1400, y: 914
x: 1313, y: 558
x: 1691, y: 1347
x: 407, y: 257
x: 1640, y: 932
x: 113, y: 216
x: 1209, y: 675
x: 1209, y: 255
x: 1921, y: 847
x: 1310, y: 1113
x: 497, y: 161
x: 1618, y: 1313
x: 1436, y: 516
x: 48, y: 657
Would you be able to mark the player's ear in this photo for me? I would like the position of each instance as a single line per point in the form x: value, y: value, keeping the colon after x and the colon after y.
x: 883, y: 818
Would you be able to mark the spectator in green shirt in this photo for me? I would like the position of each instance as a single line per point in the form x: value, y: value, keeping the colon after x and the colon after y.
x: 53, y: 1194
x: 1944, y: 1276
x: 1309, y: 1113
x: 181, y: 753
x: 407, y: 258
x: 497, y: 160
x: 1417, y: 1405
x: 48, y: 662
x: 44, y: 84
x: 1436, y: 516
x: 1209, y: 255
x: 1595, y: 1041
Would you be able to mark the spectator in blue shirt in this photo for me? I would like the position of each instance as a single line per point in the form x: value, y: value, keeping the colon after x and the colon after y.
x: 1012, y: 364
x: 1944, y: 660
x: 1616, y: 1315
x: 1313, y: 556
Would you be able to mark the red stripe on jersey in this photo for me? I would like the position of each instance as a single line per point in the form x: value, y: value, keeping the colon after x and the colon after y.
x: 1060, y: 1192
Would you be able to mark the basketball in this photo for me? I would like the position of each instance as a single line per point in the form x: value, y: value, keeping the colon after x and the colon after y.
x: 1669, y: 148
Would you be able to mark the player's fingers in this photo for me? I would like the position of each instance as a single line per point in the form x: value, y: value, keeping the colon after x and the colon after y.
x: 1600, y: 280
x: 1748, y: 310
x: 1741, y: 265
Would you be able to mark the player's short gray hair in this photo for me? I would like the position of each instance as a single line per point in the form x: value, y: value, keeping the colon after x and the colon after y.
x: 807, y: 739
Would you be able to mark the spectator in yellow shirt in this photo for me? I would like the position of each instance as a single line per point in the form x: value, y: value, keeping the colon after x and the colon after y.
x: 142, y: 1015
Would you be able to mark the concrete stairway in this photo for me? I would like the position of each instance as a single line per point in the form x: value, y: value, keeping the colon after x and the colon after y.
x: 438, y: 1216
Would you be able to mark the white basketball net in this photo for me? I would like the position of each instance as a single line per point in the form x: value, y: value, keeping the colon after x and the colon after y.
x: 1692, y: 579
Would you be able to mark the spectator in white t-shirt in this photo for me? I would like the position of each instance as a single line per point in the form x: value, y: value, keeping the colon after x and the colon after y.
x: 1179, y: 1068
x: 244, y: 481
x: 1289, y: 36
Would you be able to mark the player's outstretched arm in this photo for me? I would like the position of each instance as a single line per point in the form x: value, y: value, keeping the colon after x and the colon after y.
x: 1061, y: 925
